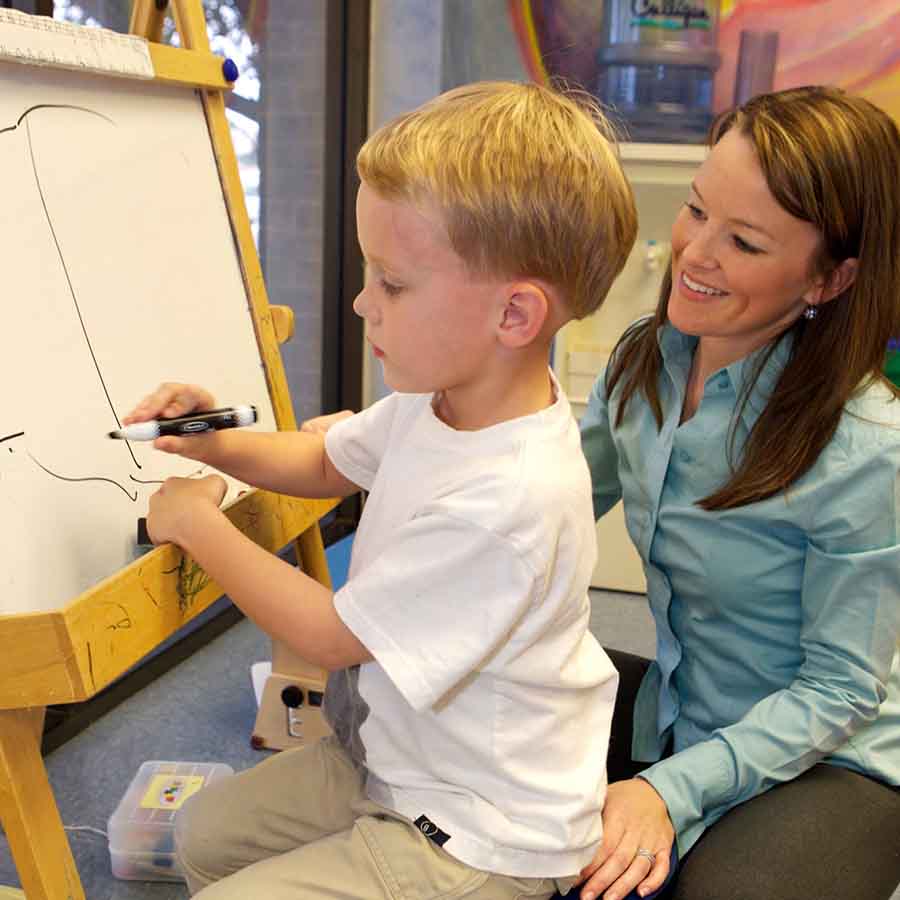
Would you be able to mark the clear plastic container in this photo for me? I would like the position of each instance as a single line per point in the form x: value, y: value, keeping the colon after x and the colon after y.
x: 142, y: 828
x: 656, y: 66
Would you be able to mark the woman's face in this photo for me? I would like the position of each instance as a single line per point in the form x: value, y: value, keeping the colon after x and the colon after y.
x: 741, y: 264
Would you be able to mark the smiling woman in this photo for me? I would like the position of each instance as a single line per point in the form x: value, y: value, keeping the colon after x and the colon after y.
x: 755, y: 443
x: 738, y: 281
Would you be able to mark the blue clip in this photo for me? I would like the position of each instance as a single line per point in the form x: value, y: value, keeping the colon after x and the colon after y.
x: 230, y: 70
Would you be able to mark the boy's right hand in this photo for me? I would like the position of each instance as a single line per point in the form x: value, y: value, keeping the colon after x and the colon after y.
x: 172, y: 399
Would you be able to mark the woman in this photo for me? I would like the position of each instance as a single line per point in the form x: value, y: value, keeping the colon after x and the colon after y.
x: 756, y: 446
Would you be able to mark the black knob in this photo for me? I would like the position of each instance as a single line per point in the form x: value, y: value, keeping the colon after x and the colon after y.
x: 292, y: 696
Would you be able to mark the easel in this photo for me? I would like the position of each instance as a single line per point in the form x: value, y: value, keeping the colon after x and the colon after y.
x: 63, y: 655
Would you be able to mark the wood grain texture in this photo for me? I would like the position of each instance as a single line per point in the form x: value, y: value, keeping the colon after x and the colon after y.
x: 29, y: 814
x: 67, y: 655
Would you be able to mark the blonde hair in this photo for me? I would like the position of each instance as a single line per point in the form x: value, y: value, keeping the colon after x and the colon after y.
x: 526, y: 177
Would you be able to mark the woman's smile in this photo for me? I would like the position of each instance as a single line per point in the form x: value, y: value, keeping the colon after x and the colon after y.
x: 698, y: 287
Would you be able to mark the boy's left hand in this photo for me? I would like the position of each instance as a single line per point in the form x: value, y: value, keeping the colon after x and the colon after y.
x: 174, y: 504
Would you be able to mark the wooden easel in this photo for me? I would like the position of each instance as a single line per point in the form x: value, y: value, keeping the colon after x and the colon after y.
x: 62, y: 656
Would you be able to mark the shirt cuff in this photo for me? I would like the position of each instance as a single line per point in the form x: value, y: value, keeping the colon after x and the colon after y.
x: 698, y: 785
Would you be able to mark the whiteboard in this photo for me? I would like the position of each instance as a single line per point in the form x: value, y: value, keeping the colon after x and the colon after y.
x: 119, y: 271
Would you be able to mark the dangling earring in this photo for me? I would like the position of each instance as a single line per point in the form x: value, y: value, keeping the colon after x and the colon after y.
x: 810, y: 312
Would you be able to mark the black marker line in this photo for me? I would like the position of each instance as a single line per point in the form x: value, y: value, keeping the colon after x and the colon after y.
x: 124, y: 622
x: 189, y: 582
x: 31, y: 109
x: 163, y: 481
x: 63, y: 261
x: 94, y: 478
x: 9, y: 437
x: 152, y: 598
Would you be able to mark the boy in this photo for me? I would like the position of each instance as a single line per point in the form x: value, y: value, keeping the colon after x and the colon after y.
x: 469, y: 702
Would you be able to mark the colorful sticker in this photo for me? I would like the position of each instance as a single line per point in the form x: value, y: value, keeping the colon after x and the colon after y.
x: 170, y: 791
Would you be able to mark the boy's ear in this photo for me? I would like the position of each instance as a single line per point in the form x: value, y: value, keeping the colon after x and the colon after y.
x: 524, y: 313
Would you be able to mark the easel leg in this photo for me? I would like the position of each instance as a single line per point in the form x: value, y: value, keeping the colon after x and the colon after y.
x: 37, y: 714
x: 311, y: 555
x: 28, y: 812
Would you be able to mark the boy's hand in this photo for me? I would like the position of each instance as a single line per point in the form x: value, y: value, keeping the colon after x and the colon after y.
x: 174, y: 505
x: 321, y: 424
x: 167, y: 401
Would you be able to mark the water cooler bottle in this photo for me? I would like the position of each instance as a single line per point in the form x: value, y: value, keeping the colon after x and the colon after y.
x: 656, y: 67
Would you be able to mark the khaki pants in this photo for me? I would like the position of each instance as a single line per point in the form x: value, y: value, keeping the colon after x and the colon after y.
x: 299, y: 827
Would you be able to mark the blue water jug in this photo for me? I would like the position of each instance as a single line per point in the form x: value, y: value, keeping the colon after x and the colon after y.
x: 656, y: 67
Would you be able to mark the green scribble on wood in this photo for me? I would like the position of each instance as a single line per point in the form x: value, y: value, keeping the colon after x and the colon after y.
x: 191, y: 580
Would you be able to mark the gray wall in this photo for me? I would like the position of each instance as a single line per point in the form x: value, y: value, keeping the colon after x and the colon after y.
x: 420, y: 48
x: 479, y: 43
x: 291, y: 156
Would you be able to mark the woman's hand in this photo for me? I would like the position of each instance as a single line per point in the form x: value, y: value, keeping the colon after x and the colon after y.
x: 634, y: 818
x: 176, y: 502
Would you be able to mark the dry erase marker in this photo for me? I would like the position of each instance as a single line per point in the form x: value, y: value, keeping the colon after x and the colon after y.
x: 193, y: 423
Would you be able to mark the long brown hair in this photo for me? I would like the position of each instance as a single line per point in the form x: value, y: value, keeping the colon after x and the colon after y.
x: 830, y: 159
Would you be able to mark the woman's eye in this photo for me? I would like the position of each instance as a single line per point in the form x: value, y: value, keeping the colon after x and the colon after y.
x: 744, y: 247
x: 694, y: 210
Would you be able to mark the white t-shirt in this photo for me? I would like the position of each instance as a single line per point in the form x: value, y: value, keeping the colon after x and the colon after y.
x: 487, y: 707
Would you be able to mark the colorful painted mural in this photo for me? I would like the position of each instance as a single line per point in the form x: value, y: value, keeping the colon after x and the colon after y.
x: 854, y: 44
x: 847, y: 43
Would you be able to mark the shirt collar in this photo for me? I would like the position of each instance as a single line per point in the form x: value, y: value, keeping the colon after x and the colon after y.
x: 677, y: 351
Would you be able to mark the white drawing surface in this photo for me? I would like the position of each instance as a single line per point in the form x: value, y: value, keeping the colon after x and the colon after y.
x: 119, y: 272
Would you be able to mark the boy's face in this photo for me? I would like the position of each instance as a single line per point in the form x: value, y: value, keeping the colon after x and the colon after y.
x: 429, y: 322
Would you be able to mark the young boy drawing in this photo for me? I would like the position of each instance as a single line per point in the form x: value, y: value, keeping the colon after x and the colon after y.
x: 463, y: 675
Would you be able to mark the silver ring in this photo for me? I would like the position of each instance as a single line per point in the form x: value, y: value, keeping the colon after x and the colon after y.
x: 647, y: 854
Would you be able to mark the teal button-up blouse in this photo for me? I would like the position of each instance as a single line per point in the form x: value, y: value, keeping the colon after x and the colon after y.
x: 777, y: 622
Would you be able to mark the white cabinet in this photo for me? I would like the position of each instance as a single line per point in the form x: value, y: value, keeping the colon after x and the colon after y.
x: 660, y: 175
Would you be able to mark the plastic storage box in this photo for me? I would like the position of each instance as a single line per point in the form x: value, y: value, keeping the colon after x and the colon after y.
x: 142, y: 829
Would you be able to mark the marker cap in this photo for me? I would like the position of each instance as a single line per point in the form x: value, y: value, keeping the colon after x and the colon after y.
x: 139, y: 431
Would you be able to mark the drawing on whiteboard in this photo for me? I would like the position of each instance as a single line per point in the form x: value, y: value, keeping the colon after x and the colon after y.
x: 24, y: 120
x: 61, y: 256
x: 31, y: 109
x: 195, y: 474
x: 120, y: 270
x: 133, y: 497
